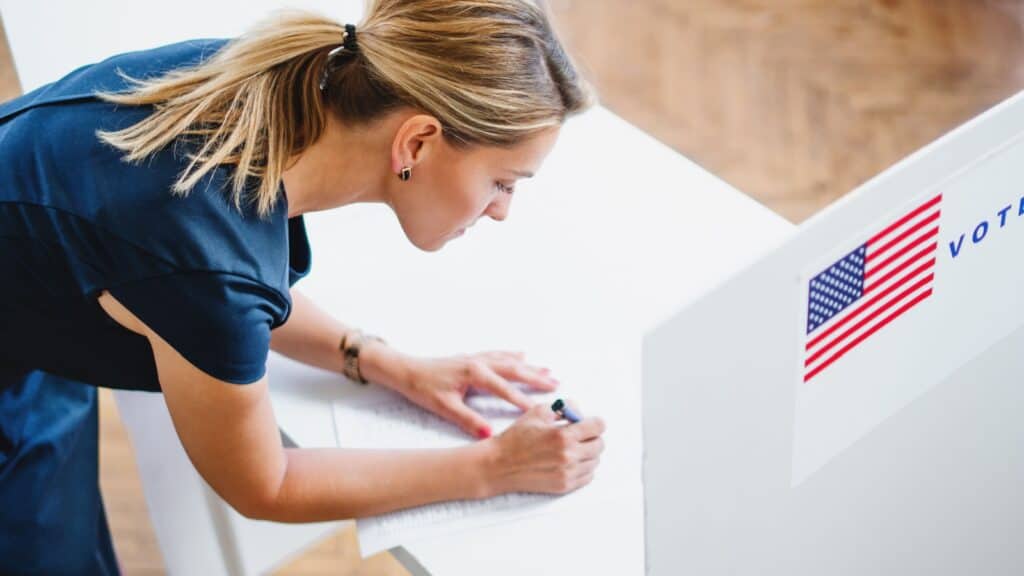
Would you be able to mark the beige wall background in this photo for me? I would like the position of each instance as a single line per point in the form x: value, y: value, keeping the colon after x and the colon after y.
x: 794, y: 102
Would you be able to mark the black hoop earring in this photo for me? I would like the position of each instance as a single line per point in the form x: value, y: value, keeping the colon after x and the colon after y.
x: 405, y: 174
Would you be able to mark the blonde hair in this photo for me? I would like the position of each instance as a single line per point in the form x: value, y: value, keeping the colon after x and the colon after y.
x: 491, y: 71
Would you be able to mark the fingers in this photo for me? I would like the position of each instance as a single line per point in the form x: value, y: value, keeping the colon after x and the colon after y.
x: 586, y: 429
x: 464, y: 417
x: 591, y: 449
x: 489, y: 380
x: 576, y: 476
x: 510, y: 365
x: 584, y: 480
x: 543, y: 411
x: 517, y: 355
x: 540, y: 412
x: 518, y: 372
x: 585, y: 468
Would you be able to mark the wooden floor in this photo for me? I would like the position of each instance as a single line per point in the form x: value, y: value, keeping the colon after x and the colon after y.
x: 794, y: 102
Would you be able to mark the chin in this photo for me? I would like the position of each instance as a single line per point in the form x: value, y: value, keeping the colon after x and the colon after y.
x: 432, y: 245
x: 436, y: 247
x: 420, y: 241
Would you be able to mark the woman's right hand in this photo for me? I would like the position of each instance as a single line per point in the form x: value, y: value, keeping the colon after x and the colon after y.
x: 538, y: 454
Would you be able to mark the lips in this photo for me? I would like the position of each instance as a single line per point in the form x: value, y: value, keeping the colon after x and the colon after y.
x: 462, y: 230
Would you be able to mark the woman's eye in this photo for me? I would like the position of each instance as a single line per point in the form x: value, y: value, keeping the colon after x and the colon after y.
x: 501, y: 187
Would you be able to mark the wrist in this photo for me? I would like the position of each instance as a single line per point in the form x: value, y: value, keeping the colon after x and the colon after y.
x: 480, y: 469
x: 383, y: 365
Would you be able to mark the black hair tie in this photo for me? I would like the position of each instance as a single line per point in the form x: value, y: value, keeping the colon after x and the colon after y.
x: 350, y: 38
x: 348, y: 46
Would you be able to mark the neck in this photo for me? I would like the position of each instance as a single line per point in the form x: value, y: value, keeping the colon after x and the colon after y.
x: 344, y: 166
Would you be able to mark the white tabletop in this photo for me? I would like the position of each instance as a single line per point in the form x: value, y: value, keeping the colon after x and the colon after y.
x: 615, y: 233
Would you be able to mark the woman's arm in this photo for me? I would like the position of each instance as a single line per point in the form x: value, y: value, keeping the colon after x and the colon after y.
x: 312, y: 337
x: 440, y: 385
x: 231, y: 437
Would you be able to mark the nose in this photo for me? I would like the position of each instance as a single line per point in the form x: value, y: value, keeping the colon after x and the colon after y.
x: 498, y: 210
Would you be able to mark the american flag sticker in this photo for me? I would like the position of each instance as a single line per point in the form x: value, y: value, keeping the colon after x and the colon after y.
x: 871, y: 286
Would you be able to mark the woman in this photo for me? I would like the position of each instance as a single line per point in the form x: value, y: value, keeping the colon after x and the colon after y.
x: 151, y: 229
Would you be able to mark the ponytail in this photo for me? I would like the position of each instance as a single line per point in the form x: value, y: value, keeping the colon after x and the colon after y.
x: 491, y: 71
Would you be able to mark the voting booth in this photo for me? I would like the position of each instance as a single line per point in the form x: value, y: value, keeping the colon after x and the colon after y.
x: 851, y: 403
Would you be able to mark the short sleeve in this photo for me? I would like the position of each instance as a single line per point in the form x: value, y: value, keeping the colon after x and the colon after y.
x: 219, y: 322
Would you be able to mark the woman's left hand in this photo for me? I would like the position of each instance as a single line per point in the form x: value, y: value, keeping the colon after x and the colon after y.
x: 441, y: 384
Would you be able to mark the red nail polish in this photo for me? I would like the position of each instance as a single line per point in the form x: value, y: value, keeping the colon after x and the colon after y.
x: 484, y: 433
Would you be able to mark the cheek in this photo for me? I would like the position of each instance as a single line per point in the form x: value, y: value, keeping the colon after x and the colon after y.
x: 439, y: 206
x: 463, y: 186
x: 468, y: 199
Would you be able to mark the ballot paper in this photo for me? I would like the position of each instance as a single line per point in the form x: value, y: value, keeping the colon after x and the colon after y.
x: 381, y: 419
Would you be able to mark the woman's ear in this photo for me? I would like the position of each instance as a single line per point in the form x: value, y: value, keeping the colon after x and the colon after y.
x: 414, y: 141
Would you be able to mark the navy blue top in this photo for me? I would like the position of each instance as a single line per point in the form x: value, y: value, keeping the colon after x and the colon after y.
x: 75, y: 219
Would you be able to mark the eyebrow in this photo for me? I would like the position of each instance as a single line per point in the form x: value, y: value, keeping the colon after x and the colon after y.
x: 522, y: 173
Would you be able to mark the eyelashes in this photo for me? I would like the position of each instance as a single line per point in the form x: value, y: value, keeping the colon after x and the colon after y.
x: 503, y: 188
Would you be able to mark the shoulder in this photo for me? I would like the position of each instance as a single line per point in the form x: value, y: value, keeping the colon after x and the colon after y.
x: 112, y: 74
x: 49, y: 137
x: 154, y: 61
x: 60, y: 164
x: 64, y: 168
